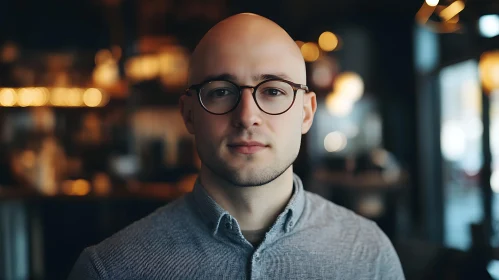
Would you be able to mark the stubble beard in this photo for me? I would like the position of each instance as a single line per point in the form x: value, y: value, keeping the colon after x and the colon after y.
x: 242, y: 177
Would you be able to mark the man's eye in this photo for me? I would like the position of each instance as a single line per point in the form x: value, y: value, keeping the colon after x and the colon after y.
x: 273, y: 92
x: 221, y: 92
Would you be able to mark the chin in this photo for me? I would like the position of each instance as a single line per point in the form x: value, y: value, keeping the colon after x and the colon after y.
x: 248, y: 179
x: 248, y: 174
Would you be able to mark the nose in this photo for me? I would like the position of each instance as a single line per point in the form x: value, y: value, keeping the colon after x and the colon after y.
x: 247, y: 113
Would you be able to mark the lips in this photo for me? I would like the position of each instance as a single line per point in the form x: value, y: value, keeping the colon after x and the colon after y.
x: 246, y: 147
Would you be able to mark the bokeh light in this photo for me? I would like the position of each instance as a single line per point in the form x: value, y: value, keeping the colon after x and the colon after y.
x: 453, y: 140
x: 328, y: 41
x: 349, y: 85
x: 74, y: 97
x: 432, y: 3
x: 25, y: 97
x: 8, y: 97
x: 338, y: 106
x: 310, y: 51
x: 335, y: 141
x: 92, y: 97
x: 489, y: 70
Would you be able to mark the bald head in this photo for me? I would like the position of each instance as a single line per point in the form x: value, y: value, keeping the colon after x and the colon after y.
x: 247, y: 50
x: 247, y: 46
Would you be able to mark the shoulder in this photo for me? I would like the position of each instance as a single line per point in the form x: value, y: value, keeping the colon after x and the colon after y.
x: 325, y: 212
x: 340, y: 224
x: 162, y: 222
x: 352, y: 235
x: 134, y: 246
x: 159, y: 222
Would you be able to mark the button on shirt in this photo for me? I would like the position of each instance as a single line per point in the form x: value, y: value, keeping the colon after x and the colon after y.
x: 195, y: 238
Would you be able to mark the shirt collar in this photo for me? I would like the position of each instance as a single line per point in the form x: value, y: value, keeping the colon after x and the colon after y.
x: 296, y: 204
x: 212, y: 213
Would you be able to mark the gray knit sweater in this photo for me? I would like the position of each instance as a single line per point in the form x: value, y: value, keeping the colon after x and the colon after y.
x: 194, y: 238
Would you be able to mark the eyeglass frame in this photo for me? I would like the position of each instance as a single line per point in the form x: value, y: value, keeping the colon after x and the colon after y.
x: 198, y: 87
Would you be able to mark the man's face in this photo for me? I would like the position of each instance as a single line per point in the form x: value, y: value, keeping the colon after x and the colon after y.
x: 248, y: 147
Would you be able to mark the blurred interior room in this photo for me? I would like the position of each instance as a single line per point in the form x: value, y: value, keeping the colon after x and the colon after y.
x: 406, y: 132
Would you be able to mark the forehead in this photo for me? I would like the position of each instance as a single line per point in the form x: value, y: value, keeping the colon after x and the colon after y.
x: 247, y: 60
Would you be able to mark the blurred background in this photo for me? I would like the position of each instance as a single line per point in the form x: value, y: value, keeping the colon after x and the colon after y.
x: 406, y: 132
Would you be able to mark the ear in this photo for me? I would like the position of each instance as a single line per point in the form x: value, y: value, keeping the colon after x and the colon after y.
x: 309, y: 108
x: 185, y: 104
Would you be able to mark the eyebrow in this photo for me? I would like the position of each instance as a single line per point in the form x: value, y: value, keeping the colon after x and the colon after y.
x: 256, y: 78
x: 224, y: 76
x: 262, y: 77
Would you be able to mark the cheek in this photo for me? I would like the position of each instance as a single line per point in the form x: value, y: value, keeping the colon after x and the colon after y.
x: 208, y: 128
x: 288, y: 130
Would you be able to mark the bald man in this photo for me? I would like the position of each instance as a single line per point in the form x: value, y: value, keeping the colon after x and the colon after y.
x: 248, y: 217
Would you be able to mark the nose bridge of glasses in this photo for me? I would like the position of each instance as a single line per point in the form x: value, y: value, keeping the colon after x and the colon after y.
x: 251, y: 88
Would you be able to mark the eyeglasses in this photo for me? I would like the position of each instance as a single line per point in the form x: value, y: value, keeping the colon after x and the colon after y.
x: 274, y: 96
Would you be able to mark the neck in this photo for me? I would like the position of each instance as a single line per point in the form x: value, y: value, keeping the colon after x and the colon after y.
x: 254, y: 208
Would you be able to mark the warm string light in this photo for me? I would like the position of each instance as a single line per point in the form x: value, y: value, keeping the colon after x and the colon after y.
x: 452, y: 10
x: 326, y: 42
x: 170, y: 65
x: 348, y: 89
x: 310, y: 51
x: 56, y: 97
x: 432, y: 3
x: 449, y: 15
x: 489, y: 70
x: 78, y: 187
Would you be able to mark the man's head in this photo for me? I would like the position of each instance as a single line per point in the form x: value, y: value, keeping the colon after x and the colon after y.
x: 247, y: 146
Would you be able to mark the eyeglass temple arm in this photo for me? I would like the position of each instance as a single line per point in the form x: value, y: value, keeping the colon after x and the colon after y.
x: 191, y: 88
x: 305, y: 88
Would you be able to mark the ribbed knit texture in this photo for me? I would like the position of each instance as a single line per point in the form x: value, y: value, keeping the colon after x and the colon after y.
x: 194, y: 238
